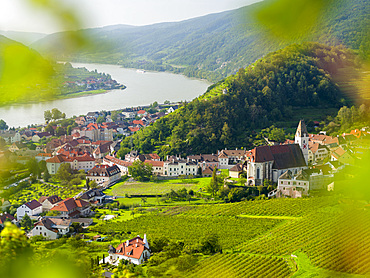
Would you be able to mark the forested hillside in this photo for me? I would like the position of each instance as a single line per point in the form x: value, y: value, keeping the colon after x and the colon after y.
x: 270, y: 91
x: 212, y: 46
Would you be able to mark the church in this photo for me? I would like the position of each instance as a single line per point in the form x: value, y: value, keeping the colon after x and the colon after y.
x: 270, y: 162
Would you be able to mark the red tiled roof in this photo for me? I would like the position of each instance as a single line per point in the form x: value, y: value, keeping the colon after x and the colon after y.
x: 117, y: 161
x: 141, y: 112
x: 137, y: 122
x: 133, y: 129
x: 57, y: 159
x: 66, y: 205
x: 85, y: 157
x: 134, y: 249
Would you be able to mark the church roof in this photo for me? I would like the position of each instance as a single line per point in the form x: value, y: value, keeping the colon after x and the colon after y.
x: 283, y: 156
x: 301, y: 129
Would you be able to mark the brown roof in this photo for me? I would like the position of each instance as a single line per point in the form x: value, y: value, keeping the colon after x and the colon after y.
x: 70, y: 204
x: 6, y: 216
x: 106, y: 170
x: 284, y: 156
x: 234, y: 152
x: 237, y: 168
x: 154, y: 163
x: 32, y: 204
x: 54, y: 199
x: 57, y: 159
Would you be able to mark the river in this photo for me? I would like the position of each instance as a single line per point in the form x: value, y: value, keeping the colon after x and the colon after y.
x: 142, y: 89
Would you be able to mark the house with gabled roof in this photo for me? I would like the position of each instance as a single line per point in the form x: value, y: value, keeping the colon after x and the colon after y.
x: 294, y: 186
x: 93, y: 195
x: 72, y: 208
x: 51, y: 227
x: 49, y: 202
x: 30, y: 208
x: 104, y: 174
x: 6, y: 217
x: 135, y: 251
x: 343, y: 156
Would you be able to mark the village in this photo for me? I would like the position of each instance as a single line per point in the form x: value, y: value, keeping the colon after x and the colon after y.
x: 294, y: 169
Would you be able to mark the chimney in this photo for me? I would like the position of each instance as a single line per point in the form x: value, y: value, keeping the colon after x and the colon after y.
x: 127, y: 242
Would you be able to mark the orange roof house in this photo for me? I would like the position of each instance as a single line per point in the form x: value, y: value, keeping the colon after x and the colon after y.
x: 135, y: 250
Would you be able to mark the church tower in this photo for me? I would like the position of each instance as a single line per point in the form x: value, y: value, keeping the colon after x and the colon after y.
x: 301, y: 138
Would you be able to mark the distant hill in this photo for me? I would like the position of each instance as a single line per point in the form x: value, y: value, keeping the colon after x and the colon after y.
x: 278, y: 89
x: 212, y: 46
x: 26, y: 38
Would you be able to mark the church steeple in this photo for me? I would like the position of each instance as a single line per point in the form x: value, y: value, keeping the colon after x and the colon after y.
x: 301, y: 130
x: 301, y: 138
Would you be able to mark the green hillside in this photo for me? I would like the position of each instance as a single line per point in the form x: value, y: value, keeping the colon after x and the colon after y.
x: 212, y: 46
x: 277, y: 89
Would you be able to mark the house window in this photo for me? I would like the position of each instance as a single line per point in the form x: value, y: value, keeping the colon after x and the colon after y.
x: 258, y: 173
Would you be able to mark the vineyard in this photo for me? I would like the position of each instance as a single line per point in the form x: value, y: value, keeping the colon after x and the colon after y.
x: 234, y: 265
x: 231, y: 231
x: 274, y: 207
x: 261, y: 238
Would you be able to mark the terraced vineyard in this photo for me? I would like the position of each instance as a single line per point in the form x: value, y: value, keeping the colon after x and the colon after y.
x: 274, y: 207
x: 234, y: 265
x: 262, y: 238
x: 190, y: 229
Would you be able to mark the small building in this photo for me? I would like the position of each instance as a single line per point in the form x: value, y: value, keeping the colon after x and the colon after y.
x: 30, y: 208
x: 104, y: 174
x: 135, y: 251
x: 6, y: 217
x: 235, y: 171
x: 293, y: 186
x: 51, y: 227
x: 93, y: 195
x: 49, y: 202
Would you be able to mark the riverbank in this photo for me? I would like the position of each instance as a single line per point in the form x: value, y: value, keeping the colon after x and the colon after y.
x: 89, y: 93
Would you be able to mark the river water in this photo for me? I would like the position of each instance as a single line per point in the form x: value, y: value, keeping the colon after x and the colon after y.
x: 142, y: 89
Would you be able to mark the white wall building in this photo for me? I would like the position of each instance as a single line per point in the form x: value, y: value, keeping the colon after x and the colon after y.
x: 30, y: 208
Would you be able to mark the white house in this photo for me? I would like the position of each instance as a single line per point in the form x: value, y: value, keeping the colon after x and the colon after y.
x: 294, y: 186
x: 51, y: 227
x: 135, y: 251
x: 179, y: 168
x: 30, y: 208
x: 104, y: 174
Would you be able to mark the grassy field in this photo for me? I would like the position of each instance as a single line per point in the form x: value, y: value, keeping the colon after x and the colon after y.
x: 156, y: 188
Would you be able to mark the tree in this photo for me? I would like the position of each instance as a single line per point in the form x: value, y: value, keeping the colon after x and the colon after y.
x: 64, y: 172
x: 141, y: 171
x: 26, y: 222
x: 47, y: 116
x: 100, y: 119
x: 214, y: 185
x: 225, y: 135
x: 56, y: 114
x: 60, y: 131
x: 3, y: 125
x: 33, y: 167
x: 210, y: 245
x: 46, y: 175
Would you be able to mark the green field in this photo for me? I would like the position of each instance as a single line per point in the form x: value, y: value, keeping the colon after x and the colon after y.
x: 157, y: 187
